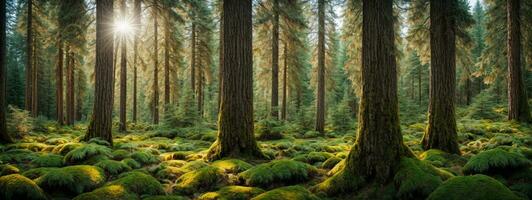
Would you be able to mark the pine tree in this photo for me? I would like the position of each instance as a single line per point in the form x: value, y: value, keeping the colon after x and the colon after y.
x: 4, y: 136
x: 123, y: 71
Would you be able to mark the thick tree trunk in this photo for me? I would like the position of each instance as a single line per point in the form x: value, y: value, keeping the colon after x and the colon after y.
x: 221, y: 55
x: 274, y: 112
x: 155, y: 88
x: 441, y: 130
x: 379, y: 145
x: 193, y: 59
x: 29, y: 57
x: 166, y: 62
x: 70, y: 108
x: 235, y: 125
x: 285, y: 76
x: 59, y: 82
x: 4, y: 136
x: 34, y: 82
x: 135, y: 56
x: 101, y: 121
x: 122, y: 127
x: 79, y: 96
x: 517, y: 98
x: 320, y: 99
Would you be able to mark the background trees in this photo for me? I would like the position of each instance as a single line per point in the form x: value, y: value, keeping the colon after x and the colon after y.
x: 4, y: 136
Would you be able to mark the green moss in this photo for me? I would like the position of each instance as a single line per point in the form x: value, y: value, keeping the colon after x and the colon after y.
x: 131, y: 163
x: 145, y: 157
x: 287, y: 193
x: 341, y: 182
x: 139, y: 183
x: 194, y: 165
x: 313, y: 157
x: 120, y: 154
x: 179, y: 155
x: 76, y: 179
x: 269, y: 129
x: 113, y: 167
x: 278, y: 171
x: 86, y: 152
x: 48, y: 160
x: 442, y: 159
x: 416, y: 179
x: 524, y: 189
x: 8, y: 169
x: 15, y: 187
x: 166, y: 197
x: 202, y: 179
x: 65, y: 148
x: 495, y: 161
x: 113, y: 192
x: 330, y: 162
x: 37, y: 172
x: 169, y: 172
x: 232, y: 193
x: 232, y: 165
x: 477, y: 187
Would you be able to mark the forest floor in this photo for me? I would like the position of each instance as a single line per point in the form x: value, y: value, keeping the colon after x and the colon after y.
x: 147, y: 164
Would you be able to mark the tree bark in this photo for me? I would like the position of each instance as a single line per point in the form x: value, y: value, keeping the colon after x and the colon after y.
x: 320, y: 99
x: 193, y: 59
x: 285, y: 76
x: 70, y: 108
x: 29, y: 57
x: 274, y: 112
x: 59, y: 82
x: 517, y: 98
x: 167, y: 61
x: 123, y: 74
x: 235, y: 125
x: 155, y: 88
x: 4, y: 136
x: 137, y: 22
x: 441, y: 130
x: 101, y: 121
x: 34, y: 82
x: 419, y: 85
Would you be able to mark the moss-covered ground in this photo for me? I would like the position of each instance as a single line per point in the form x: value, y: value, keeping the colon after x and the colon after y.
x: 166, y: 163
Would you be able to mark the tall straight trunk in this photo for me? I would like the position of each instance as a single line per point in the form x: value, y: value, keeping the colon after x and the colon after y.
x: 166, y: 61
x: 235, y: 125
x: 4, y: 136
x: 419, y: 85
x: 199, y: 88
x: 193, y: 59
x: 29, y: 57
x: 441, y: 130
x: 59, y: 82
x: 101, y: 121
x: 34, y: 82
x: 285, y: 76
x: 412, y: 89
x: 275, y: 61
x: 320, y: 99
x: 379, y: 145
x: 221, y: 55
x: 468, y: 91
x: 137, y: 22
x: 517, y: 98
x: 155, y: 88
x: 79, y: 96
x: 70, y: 108
x: 123, y: 74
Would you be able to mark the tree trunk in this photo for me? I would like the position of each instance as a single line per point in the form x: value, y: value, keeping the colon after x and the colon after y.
x: 137, y: 22
x: 419, y: 85
x: 59, y: 82
x: 379, y: 145
x: 193, y: 59
x: 70, y: 110
x: 199, y: 88
x: 517, y: 98
x: 155, y: 88
x: 441, y: 130
x: 235, y: 125
x: 123, y: 74
x: 275, y: 62
x: 4, y: 136
x: 320, y: 99
x: 469, y: 91
x: 29, y: 57
x: 101, y: 121
x: 285, y: 76
x: 167, y: 61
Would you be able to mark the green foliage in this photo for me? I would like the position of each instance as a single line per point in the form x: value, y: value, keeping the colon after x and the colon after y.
x: 442, y: 159
x: 85, y: 152
x: 486, y: 106
x: 145, y: 157
x: 120, y: 154
x: 232, y: 165
x: 477, y: 187
x: 287, y: 193
x: 48, y: 160
x: 166, y: 197
x: 313, y: 157
x: 131, y: 163
x: 232, y: 193
x: 37, y: 172
x: 15, y: 187
x: 76, y: 179
x: 17, y: 156
x: 138, y: 183
x: 113, y: 167
x: 8, y: 169
x: 330, y: 162
x: 19, y: 122
x: 277, y: 172
x: 112, y: 192
x: 194, y: 165
x: 416, y: 179
x: 202, y: 179
x: 269, y: 129
x: 496, y: 161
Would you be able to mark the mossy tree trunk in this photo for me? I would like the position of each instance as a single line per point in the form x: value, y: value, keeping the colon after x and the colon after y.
x: 29, y: 57
x: 155, y: 86
x: 379, y: 145
x: 517, y: 98
x: 274, y: 112
x: 136, y: 17
x: 4, y: 136
x: 285, y: 76
x: 59, y: 82
x: 101, y: 121
x: 320, y: 99
x: 441, y: 130
x: 167, y: 28
x: 235, y: 120
x: 70, y: 107
x: 123, y: 73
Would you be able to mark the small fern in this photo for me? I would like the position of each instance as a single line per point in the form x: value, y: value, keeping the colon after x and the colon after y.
x: 48, y: 160
x: 86, y: 151
x: 495, y: 161
x: 113, y: 167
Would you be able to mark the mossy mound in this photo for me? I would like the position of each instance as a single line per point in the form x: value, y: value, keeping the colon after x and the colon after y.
x: 169, y: 172
x: 86, y: 152
x: 416, y: 179
x: 8, y: 169
x: 268, y: 129
x: 113, y: 167
x: 120, y: 154
x: 331, y: 162
x: 112, y: 192
x: 48, y: 160
x: 477, y: 187
x: 178, y: 155
x: 496, y: 161
x: 166, y: 197
x: 145, y: 157
x: 442, y: 159
x: 232, y: 193
x: 75, y: 179
x: 139, y: 183
x: 313, y: 157
x: 131, y: 163
x: 287, y: 193
x: 277, y: 172
x: 15, y: 187
x: 203, y: 179
x: 194, y: 165
x: 232, y: 165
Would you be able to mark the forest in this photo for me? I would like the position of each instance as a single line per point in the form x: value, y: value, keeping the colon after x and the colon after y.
x: 265, y: 99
